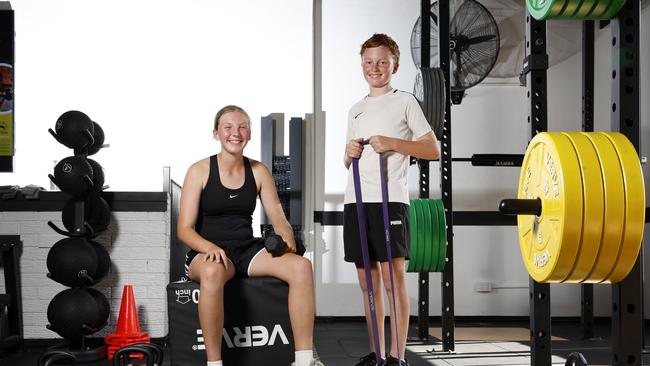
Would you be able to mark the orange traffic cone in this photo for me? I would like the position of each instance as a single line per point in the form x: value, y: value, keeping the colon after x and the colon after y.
x: 128, y: 325
x: 128, y: 322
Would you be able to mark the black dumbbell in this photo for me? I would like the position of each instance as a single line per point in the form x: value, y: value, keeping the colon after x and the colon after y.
x: 275, y: 245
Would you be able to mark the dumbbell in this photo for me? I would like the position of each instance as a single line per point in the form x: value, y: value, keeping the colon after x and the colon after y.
x: 275, y: 245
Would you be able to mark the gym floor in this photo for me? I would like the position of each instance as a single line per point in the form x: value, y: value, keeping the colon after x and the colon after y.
x: 342, y: 342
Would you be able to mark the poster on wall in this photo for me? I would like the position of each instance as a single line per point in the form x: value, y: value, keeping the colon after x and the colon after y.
x: 6, y: 110
x: 7, y: 87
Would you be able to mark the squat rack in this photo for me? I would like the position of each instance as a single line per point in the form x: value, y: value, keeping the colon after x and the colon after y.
x: 625, y: 116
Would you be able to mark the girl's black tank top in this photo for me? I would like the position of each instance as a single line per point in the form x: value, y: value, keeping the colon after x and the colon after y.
x: 227, y: 214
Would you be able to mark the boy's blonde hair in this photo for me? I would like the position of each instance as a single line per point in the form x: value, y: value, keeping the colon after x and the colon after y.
x: 380, y: 39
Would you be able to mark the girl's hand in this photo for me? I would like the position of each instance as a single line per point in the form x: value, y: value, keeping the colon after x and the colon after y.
x: 216, y: 254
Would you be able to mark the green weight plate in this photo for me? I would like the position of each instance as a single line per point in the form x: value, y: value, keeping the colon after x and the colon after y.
x: 414, y: 236
x: 544, y: 9
x: 431, y: 243
x: 435, y: 227
x: 612, y: 10
x: 570, y: 9
x: 410, y: 264
x: 558, y: 14
x: 420, y: 236
x: 428, y: 238
x: 442, y: 224
x: 599, y: 9
x: 585, y: 9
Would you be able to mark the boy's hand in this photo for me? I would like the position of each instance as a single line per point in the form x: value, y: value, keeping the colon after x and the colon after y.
x: 354, y: 148
x: 381, y: 144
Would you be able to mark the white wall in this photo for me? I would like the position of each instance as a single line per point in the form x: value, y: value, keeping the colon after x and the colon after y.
x: 153, y: 74
x: 138, y: 244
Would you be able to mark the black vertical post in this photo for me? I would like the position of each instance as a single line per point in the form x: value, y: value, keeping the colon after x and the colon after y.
x: 267, y: 152
x: 587, y: 290
x: 9, y: 245
x: 627, y: 306
x: 423, y: 278
x: 295, y: 180
x: 535, y: 66
x: 447, y: 281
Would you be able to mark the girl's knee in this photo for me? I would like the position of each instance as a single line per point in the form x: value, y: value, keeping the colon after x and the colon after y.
x: 303, y: 270
x: 213, y: 276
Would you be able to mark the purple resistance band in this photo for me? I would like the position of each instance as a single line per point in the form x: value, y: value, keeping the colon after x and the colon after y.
x: 361, y: 217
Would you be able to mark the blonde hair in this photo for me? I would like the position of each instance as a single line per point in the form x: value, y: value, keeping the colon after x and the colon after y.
x: 227, y: 109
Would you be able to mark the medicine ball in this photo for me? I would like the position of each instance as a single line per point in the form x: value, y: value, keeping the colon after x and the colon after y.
x: 74, y: 129
x: 97, y: 213
x: 74, y: 312
x: 72, y: 175
x: 103, y: 262
x: 102, y: 305
x: 71, y: 260
x: 98, y: 135
x: 98, y: 174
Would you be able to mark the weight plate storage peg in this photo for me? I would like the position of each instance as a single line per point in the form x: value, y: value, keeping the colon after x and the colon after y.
x: 550, y: 221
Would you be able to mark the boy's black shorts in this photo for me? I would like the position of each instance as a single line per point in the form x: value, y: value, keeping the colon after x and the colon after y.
x: 398, y: 214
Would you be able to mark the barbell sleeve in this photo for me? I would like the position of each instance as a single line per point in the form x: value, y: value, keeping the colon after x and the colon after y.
x: 521, y: 207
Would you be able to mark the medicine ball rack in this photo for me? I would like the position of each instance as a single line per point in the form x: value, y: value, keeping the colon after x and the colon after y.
x: 77, y: 261
x: 286, y: 169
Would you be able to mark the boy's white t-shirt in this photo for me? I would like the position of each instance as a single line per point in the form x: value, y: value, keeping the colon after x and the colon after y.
x: 394, y: 114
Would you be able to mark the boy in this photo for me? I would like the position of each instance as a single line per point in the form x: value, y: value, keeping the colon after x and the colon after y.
x: 394, y: 124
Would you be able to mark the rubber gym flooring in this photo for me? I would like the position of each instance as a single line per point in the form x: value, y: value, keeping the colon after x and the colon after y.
x: 342, y: 342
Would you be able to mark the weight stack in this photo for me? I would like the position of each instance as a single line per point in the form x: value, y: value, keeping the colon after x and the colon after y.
x: 77, y: 261
x: 287, y: 170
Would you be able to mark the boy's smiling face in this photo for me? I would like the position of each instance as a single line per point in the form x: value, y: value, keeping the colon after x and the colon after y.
x: 378, y: 66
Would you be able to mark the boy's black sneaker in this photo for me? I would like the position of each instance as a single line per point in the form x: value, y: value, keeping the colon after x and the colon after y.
x: 368, y: 360
x: 392, y: 361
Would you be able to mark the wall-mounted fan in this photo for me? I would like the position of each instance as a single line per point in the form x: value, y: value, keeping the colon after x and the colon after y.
x: 473, y: 43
